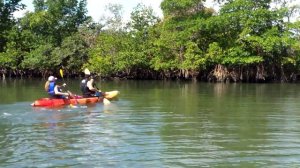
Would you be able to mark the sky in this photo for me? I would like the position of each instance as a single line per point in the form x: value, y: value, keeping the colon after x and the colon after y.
x: 96, y: 8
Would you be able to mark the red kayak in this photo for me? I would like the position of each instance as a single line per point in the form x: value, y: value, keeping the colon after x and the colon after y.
x: 48, y: 102
x: 77, y: 100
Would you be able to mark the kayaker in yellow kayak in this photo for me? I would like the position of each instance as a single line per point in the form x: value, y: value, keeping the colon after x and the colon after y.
x: 54, y: 90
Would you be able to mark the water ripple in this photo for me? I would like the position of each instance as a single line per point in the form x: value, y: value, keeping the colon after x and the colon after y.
x: 198, y: 130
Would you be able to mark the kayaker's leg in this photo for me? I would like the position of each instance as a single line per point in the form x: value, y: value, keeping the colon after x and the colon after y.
x: 51, y: 96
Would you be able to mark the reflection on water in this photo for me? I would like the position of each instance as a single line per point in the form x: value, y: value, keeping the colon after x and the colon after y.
x: 155, y: 124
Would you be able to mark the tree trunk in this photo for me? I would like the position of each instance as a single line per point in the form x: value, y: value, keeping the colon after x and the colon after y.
x: 260, y: 72
x: 220, y: 73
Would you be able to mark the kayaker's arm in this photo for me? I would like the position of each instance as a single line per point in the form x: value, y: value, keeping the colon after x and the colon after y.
x: 57, y: 92
x: 98, y: 88
x: 90, y: 86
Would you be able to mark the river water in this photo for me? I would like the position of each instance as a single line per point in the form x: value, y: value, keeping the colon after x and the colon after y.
x: 153, y: 124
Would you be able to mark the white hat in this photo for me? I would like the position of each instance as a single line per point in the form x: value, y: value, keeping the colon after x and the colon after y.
x: 51, y: 78
x: 86, y: 71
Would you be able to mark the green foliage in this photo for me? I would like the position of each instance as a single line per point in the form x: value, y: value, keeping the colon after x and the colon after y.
x: 214, y: 53
x: 8, y: 59
x: 183, y: 36
x: 7, y: 21
x: 103, y: 55
x: 56, y: 20
x: 165, y: 53
x: 100, y: 64
x: 117, y: 51
x: 182, y: 7
x: 257, y: 31
x: 41, y: 58
x: 194, y: 58
x: 47, y: 38
x: 191, y: 38
x: 231, y: 57
x: 72, y: 53
x: 237, y: 56
x: 142, y: 18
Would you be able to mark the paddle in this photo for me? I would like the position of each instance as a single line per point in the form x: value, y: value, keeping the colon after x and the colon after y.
x: 105, y: 100
x: 70, y: 93
x: 62, y: 76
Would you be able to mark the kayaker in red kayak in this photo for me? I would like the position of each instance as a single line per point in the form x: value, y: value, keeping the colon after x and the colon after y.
x: 88, y: 87
x: 54, y: 90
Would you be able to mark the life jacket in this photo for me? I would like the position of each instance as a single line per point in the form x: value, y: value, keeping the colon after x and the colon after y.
x: 83, y: 84
x: 51, y: 88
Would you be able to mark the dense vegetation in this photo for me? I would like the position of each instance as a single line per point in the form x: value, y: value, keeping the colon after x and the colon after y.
x: 244, y: 41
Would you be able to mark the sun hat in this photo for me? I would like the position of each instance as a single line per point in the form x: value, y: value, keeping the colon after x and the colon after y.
x: 52, y: 78
x: 87, y: 72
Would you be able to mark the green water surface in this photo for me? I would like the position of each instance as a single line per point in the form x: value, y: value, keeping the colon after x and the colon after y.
x: 153, y: 124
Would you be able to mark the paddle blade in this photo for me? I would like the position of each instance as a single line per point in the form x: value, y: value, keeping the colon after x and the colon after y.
x: 87, y: 71
x: 111, y: 94
x: 73, y: 106
x: 61, y: 73
x: 106, y: 101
